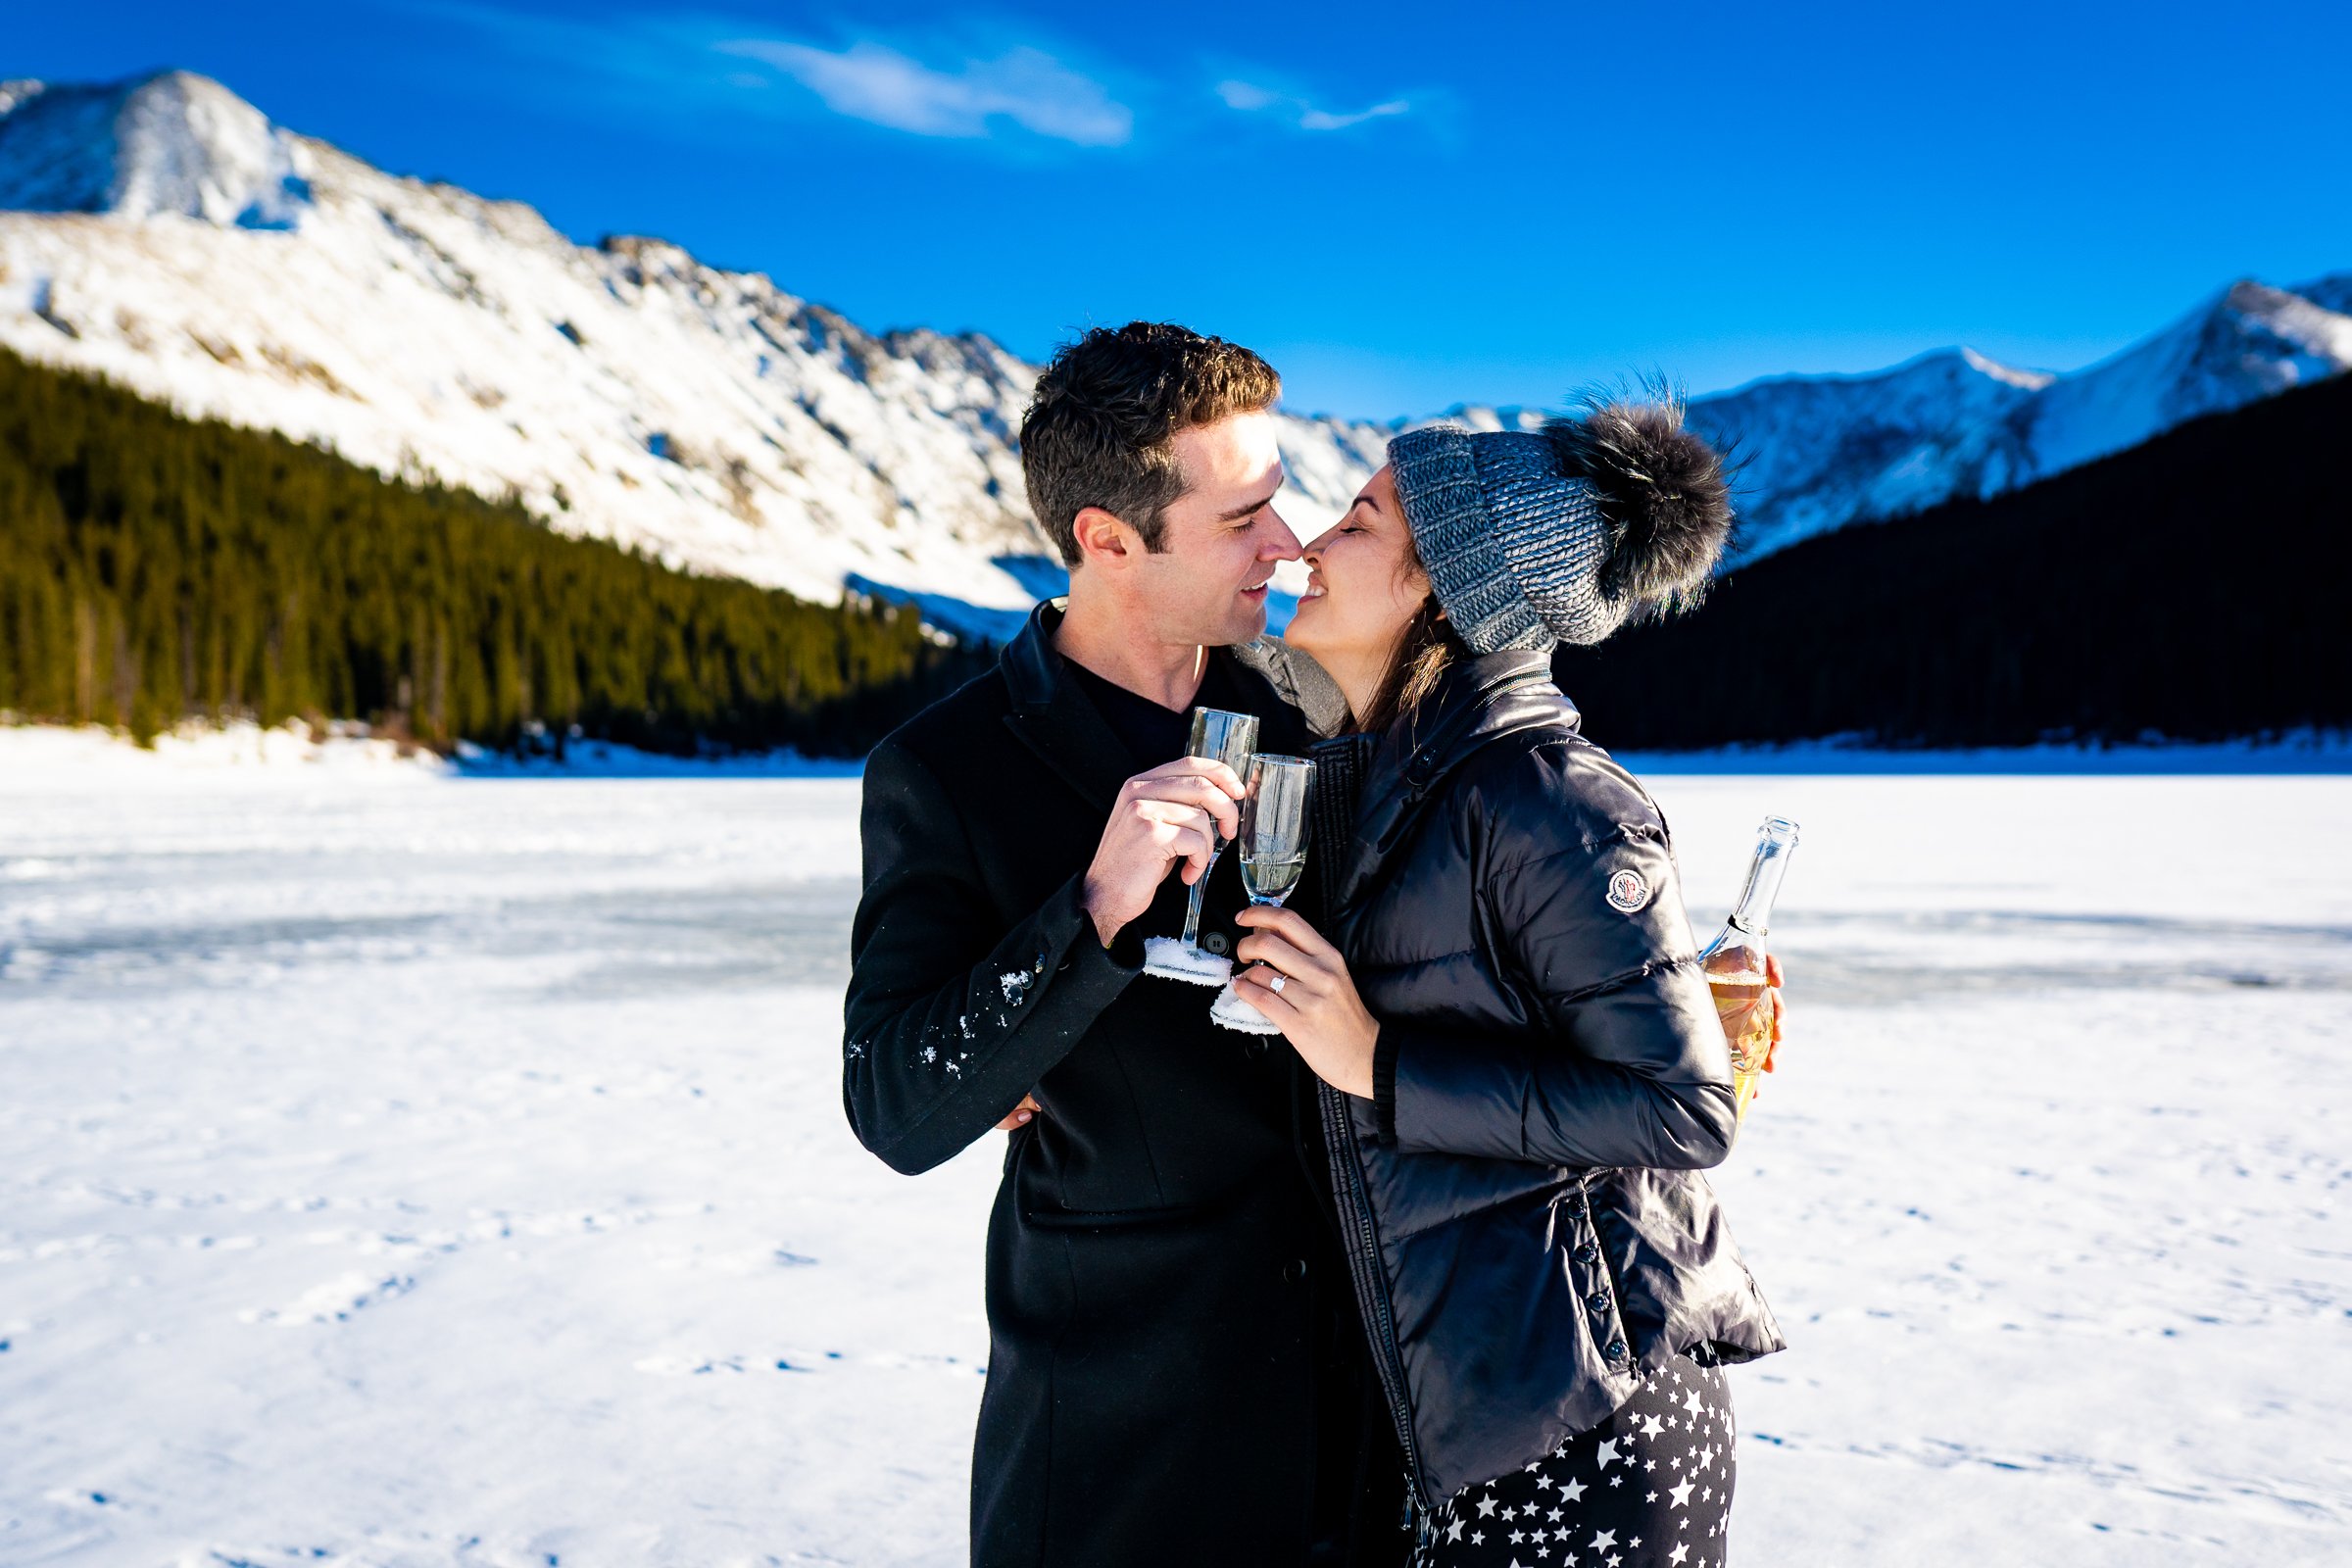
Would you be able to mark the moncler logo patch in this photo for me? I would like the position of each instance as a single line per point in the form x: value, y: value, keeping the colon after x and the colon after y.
x: 1628, y: 893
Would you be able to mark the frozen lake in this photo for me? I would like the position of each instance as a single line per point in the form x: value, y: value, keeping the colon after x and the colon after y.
x: 410, y: 1171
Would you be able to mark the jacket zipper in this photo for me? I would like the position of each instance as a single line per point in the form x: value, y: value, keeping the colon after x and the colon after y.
x: 1362, y: 1247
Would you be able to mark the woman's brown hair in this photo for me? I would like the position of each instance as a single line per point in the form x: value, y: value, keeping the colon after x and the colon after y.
x: 1426, y: 649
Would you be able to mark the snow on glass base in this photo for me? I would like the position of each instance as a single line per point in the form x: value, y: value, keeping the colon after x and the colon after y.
x: 1230, y: 1012
x: 1169, y: 959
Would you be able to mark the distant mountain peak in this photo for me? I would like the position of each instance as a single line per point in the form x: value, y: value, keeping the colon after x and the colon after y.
x: 170, y: 143
x: 1986, y: 364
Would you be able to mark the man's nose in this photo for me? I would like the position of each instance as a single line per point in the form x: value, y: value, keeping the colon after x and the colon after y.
x: 1280, y: 544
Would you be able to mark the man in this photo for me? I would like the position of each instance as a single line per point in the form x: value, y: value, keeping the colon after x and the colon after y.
x: 1176, y: 1372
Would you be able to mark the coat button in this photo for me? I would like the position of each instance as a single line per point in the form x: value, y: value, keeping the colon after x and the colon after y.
x: 1587, y: 1252
x: 1616, y: 1351
x: 1598, y: 1300
x: 1574, y: 1203
x: 1295, y: 1270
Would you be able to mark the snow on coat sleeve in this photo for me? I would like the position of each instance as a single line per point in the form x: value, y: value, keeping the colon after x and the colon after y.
x: 951, y: 1018
x: 1626, y: 1064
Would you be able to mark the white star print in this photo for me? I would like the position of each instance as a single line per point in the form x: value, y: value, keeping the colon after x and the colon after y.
x: 1517, y: 1535
x: 1650, y: 1426
x: 1608, y: 1453
x: 1486, y: 1507
x: 1573, y: 1490
x: 1478, y: 1538
x: 1691, y: 1401
x: 1604, y: 1541
x: 1682, y: 1494
x: 1678, y: 1555
x: 1634, y: 1544
x: 1455, y: 1532
x: 1553, y: 1515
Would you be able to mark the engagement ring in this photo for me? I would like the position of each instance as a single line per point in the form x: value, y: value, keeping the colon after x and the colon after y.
x: 1276, y: 984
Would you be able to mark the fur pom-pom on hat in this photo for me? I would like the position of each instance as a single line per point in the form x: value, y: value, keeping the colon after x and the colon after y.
x: 1662, y: 489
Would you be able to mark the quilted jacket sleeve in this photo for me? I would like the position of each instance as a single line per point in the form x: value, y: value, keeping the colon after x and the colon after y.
x: 1623, y: 1063
x: 951, y: 1016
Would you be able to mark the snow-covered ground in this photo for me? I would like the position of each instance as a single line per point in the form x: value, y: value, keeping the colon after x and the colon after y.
x: 398, y: 1168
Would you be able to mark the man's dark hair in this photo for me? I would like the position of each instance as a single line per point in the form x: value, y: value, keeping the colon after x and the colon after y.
x: 1101, y: 429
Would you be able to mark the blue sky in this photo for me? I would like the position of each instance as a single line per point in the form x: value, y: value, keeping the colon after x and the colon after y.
x: 1404, y: 207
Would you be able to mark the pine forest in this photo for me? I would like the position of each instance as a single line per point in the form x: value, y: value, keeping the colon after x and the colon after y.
x: 154, y: 568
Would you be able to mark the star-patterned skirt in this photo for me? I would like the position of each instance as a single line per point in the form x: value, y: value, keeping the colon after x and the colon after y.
x: 1649, y: 1487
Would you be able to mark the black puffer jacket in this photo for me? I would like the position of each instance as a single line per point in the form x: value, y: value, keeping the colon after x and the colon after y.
x: 1530, y: 1228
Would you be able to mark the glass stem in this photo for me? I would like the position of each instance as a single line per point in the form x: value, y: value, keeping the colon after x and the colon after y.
x: 1191, y: 910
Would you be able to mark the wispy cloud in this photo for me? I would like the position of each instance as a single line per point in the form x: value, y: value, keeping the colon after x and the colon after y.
x: 1013, y: 91
x: 874, y: 82
x: 1251, y: 99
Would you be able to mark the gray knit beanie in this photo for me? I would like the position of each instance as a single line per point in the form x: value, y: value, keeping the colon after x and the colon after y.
x: 1533, y: 538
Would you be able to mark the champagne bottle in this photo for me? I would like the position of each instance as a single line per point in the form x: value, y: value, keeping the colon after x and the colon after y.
x: 1734, y: 963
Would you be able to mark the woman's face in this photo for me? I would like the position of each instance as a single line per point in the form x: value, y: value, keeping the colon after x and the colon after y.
x: 1363, y: 584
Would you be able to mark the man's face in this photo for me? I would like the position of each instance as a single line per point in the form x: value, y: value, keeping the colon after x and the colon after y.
x: 1206, y: 586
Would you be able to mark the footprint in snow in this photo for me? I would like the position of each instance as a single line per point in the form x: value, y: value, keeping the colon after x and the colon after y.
x: 334, y: 1301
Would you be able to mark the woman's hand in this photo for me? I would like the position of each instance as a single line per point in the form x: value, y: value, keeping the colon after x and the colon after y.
x: 1300, y: 983
x: 1773, y: 981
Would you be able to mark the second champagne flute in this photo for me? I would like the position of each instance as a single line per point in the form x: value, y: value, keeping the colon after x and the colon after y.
x: 1273, y: 829
x: 1219, y: 737
x: 1273, y: 843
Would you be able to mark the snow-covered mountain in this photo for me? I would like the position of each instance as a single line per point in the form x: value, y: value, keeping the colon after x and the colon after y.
x: 1825, y: 451
x: 165, y: 232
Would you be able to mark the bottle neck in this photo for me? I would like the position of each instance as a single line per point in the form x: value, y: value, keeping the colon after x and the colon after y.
x: 1753, y: 915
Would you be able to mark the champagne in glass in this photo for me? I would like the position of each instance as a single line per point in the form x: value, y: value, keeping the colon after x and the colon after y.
x: 1273, y: 840
x: 1274, y: 826
x: 1734, y: 963
x: 1219, y: 737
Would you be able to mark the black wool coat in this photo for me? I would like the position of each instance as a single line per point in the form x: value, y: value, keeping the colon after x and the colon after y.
x: 1528, y: 1229
x: 1159, y: 1251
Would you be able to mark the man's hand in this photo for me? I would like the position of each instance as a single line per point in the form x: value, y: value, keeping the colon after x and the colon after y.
x: 1020, y: 1113
x: 1301, y: 984
x: 1176, y: 811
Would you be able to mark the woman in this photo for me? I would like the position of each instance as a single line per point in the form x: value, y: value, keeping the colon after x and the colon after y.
x: 1522, y: 1067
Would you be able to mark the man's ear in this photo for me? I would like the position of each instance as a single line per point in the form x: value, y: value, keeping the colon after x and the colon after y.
x: 1103, y: 537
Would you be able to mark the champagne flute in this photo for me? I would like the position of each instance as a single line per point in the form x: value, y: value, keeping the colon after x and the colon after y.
x: 1273, y: 841
x: 1273, y: 828
x: 1219, y: 737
